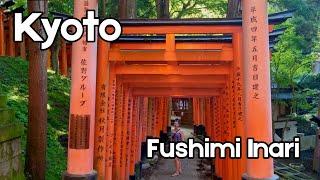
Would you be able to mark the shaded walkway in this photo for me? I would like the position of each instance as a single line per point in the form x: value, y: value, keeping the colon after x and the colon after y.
x: 165, y: 168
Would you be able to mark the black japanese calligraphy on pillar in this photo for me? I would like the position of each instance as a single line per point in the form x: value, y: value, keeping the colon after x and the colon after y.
x: 84, y: 62
x: 239, y: 97
x: 233, y: 101
x: 110, y: 119
x: 254, y: 52
x: 102, y: 122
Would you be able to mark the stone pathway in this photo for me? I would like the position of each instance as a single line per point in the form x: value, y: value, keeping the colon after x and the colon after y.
x: 165, y: 168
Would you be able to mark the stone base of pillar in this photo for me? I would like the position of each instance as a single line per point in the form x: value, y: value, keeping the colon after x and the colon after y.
x: 246, y: 177
x: 132, y: 177
x: 91, y: 176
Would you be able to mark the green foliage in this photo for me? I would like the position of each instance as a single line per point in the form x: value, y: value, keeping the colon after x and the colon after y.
x: 296, y: 50
x: 20, y: 3
x: 305, y: 126
x: 112, y: 8
x: 288, y: 62
x: 289, y: 65
x: 146, y: 9
x: 306, y: 101
x: 56, y: 154
x: 310, y: 81
x: 198, y: 8
x: 14, y: 83
x: 178, y: 8
x: 63, y: 6
x: 306, y: 20
x: 311, y: 88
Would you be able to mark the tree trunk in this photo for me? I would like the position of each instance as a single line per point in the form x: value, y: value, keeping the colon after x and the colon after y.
x: 123, y: 9
x: 277, y: 102
x: 55, y: 49
x: 234, y: 9
x: 163, y: 9
x: 102, y: 6
x: 291, y: 112
x: 37, y: 126
x: 131, y: 9
x: 127, y: 9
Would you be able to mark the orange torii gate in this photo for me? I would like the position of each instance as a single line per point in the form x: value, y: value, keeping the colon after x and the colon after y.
x: 134, y: 78
x: 7, y: 46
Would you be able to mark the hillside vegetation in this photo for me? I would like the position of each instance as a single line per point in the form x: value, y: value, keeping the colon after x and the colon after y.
x: 14, y: 83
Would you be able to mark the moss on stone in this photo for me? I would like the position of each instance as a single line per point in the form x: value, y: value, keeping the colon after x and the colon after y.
x: 3, y: 101
x: 10, y: 131
x: 13, y: 175
x: 7, y: 116
x: 9, y: 127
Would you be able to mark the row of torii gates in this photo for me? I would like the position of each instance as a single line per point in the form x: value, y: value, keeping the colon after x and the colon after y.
x: 121, y: 92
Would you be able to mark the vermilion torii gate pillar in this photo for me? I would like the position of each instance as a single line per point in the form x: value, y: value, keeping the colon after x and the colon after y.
x: 82, y: 102
x: 257, y: 84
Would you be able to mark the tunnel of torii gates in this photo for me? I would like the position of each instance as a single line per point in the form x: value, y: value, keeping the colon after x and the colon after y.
x: 121, y: 91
